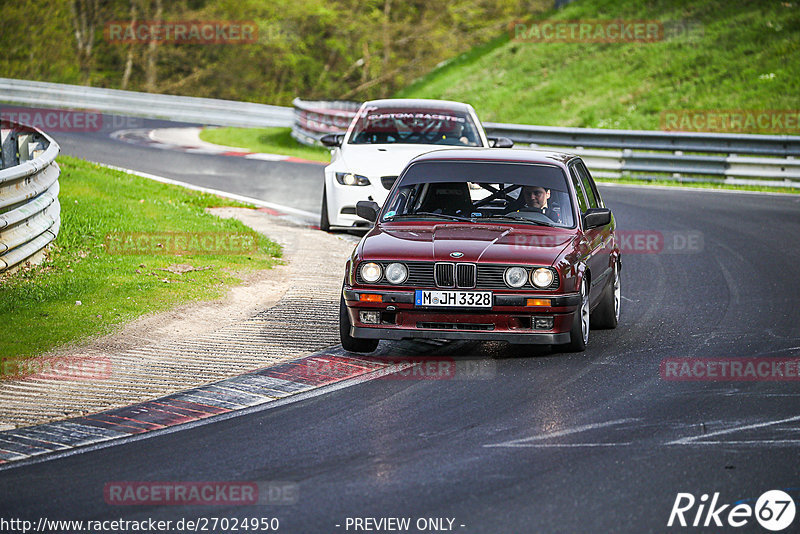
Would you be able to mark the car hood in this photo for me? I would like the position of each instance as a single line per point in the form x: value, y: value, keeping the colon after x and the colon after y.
x: 487, y: 243
x: 382, y: 160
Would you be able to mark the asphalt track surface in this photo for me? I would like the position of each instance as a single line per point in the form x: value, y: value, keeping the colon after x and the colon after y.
x: 544, y: 442
x: 291, y: 184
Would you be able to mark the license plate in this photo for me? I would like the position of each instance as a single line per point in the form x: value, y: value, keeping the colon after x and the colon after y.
x: 453, y: 299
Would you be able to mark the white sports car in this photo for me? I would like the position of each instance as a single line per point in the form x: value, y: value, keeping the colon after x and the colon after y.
x: 382, y: 138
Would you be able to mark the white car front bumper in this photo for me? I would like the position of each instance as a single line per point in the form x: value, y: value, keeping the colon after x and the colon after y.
x: 342, y: 199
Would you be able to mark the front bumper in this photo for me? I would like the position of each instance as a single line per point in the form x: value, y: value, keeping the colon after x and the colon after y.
x: 537, y: 338
x: 342, y: 200
x: 509, y: 319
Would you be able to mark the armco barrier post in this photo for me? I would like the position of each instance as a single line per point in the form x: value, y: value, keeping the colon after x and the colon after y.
x: 9, y: 148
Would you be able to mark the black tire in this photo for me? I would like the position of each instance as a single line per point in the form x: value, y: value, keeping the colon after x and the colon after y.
x: 350, y: 343
x: 324, y: 223
x: 606, y: 315
x: 578, y: 338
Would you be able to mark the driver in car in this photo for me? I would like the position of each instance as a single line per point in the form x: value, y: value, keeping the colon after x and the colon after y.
x: 534, y: 198
x: 455, y: 131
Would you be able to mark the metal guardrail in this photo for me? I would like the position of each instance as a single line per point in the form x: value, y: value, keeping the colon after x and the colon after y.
x: 772, y: 145
x: 170, y: 107
x: 30, y: 215
x: 313, y: 119
x: 650, y: 155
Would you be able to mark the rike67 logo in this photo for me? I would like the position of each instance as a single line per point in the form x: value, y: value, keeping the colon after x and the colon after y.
x: 774, y: 510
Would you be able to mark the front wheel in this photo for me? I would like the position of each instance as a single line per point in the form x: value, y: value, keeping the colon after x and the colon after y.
x: 579, y: 333
x: 606, y: 315
x: 350, y: 343
x: 324, y: 222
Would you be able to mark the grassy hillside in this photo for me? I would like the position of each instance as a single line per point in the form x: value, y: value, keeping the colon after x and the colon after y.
x: 736, y: 54
x: 315, y: 49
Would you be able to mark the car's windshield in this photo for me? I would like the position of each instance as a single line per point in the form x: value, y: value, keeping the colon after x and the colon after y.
x: 414, y: 126
x: 481, y: 191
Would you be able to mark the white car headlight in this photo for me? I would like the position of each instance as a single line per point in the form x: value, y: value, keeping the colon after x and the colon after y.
x: 515, y: 276
x: 371, y: 272
x: 396, y: 273
x: 348, y: 178
x: 542, y: 277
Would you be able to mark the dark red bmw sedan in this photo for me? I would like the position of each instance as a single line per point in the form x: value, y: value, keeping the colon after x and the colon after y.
x: 485, y: 244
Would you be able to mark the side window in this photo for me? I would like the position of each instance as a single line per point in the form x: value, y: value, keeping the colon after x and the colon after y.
x: 588, y: 186
x: 576, y: 183
x: 594, y: 187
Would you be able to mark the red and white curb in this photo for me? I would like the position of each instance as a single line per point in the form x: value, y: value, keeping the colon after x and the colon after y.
x: 227, y: 396
x: 188, y: 140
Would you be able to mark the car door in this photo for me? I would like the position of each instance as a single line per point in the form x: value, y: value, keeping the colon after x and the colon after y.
x: 592, y: 244
x: 601, y: 240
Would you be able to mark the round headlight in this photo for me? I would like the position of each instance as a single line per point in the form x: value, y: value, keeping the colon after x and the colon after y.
x: 350, y: 179
x: 515, y: 276
x: 371, y: 272
x: 396, y: 273
x: 542, y: 277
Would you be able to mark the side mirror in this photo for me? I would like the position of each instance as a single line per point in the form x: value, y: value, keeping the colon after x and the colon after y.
x: 596, y: 217
x: 367, y: 209
x: 332, y: 140
x: 500, y: 142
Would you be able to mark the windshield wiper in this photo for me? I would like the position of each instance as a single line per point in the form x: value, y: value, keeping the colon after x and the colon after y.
x: 429, y: 214
x: 520, y: 219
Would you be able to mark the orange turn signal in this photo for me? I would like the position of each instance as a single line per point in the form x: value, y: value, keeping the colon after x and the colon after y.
x: 369, y: 297
x: 537, y: 302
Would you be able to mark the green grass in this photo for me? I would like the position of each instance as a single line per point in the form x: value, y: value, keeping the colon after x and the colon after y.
x: 267, y: 140
x: 38, y: 305
x: 738, y: 55
x: 701, y: 185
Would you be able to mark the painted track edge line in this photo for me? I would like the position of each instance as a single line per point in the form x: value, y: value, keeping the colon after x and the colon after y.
x: 233, y: 196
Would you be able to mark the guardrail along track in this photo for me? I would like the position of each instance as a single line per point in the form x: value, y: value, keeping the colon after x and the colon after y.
x: 651, y: 155
x: 641, y: 154
x: 313, y: 119
x: 30, y: 215
x: 170, y: 107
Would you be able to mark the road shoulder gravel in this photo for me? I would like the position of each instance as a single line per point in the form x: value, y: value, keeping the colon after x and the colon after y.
x: 273, y: 316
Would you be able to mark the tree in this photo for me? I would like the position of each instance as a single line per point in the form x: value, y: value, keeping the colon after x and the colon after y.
x: 126, y: 74
x: 85, y: 14
x: 151, y: 68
